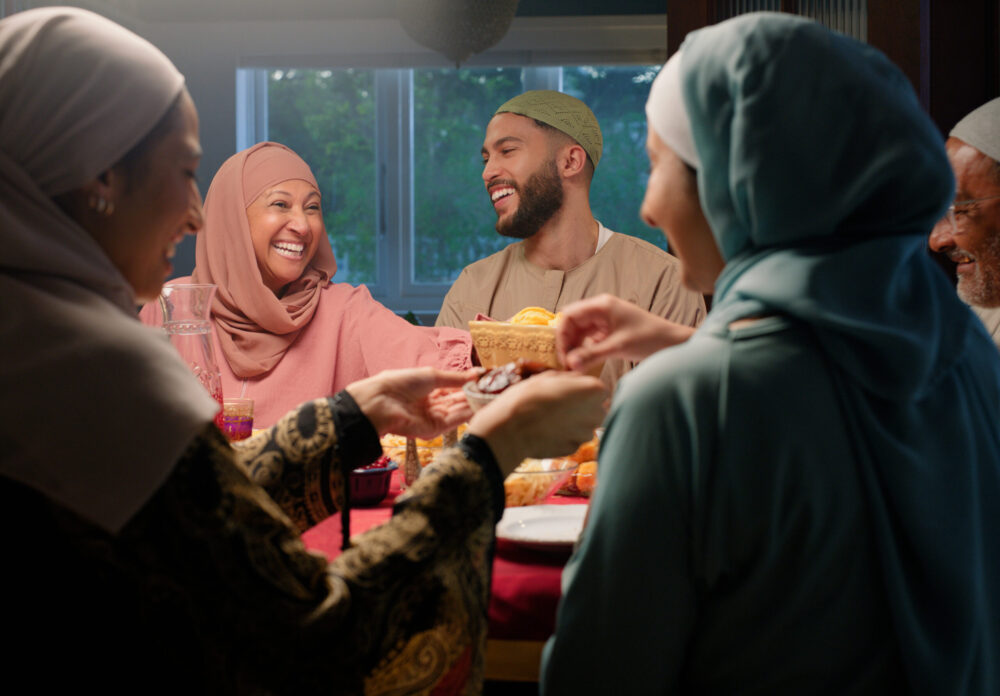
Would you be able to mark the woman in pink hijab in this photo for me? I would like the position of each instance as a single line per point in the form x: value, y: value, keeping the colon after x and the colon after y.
x: 287, y: 333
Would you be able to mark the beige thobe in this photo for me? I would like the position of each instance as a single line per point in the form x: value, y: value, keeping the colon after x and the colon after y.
x: 502, y: 284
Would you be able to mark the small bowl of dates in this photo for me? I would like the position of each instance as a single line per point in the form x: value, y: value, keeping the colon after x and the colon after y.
x: 370, y: 484
x: 494, y: 382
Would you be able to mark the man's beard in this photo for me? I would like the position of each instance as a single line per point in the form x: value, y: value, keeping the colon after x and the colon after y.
x: 538, y: 200
x: 982, y: 287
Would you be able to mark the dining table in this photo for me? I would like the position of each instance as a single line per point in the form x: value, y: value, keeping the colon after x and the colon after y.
x: 525, y: 590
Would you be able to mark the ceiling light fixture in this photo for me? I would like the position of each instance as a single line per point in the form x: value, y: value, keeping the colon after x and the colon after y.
x: 456, y: 28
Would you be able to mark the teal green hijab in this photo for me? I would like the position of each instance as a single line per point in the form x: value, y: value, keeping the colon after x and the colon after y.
x: 821, y: 178
x: 819, y: 168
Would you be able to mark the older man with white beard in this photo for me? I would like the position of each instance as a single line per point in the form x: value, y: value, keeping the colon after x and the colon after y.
x: 539, y: 155
x: 969, y: 235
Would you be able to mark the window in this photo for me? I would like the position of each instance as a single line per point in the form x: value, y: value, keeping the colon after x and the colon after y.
x: 396, y: 151
x: 328, y: 117
x: 452, y: 218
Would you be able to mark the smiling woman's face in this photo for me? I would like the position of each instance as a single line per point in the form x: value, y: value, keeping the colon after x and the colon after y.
x: 671, y: 203
x: 153, y: 206
x: 286, y: 224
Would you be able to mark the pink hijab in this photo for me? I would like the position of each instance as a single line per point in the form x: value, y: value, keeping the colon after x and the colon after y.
x: 254, y: 327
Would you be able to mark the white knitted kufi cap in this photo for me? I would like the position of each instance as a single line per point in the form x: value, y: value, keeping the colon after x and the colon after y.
x: 981, y: 129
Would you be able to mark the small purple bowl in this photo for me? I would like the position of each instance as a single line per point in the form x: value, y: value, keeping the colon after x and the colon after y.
x: 370, y: 486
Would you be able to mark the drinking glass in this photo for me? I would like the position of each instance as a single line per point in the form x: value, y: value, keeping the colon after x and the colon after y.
x: 237, y: 418
x: 186, y: 308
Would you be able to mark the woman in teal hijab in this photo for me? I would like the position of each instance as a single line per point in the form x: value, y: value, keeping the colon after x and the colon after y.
x: 803, y: 497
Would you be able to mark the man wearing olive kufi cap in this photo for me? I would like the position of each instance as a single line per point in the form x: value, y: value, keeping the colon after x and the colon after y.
x: 539, y: 156
x: 970, y: 235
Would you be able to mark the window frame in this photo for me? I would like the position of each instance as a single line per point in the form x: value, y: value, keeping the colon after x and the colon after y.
x: 539, y: 46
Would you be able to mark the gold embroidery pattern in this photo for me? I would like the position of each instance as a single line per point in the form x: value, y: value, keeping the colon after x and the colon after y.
x: 302, y: 437
x: 451, y: 594
x: 288, y: 462
x: 213, y: 567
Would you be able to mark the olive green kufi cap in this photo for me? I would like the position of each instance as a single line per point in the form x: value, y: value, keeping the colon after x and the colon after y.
x: 562, y: 112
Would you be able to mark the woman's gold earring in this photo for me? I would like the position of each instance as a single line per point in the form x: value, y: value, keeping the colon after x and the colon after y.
x: 100, y: 204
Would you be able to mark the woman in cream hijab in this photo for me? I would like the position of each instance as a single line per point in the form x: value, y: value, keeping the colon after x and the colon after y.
x: 816, y: 471
x: 141, y: 554
x: 286, y: 333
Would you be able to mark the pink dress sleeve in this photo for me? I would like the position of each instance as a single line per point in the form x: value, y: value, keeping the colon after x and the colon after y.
x: 351, y: 336
x: 386, y: 341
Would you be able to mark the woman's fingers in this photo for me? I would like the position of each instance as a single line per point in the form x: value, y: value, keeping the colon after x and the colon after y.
x: 593, y: 351
x: 540, y: 417
x: 590, y: 320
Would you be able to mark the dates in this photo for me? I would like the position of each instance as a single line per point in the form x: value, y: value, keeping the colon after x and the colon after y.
x: 379, y: 463
x: 500, y: 378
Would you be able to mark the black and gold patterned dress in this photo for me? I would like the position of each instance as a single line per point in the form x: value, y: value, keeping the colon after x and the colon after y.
x: 209, y: 589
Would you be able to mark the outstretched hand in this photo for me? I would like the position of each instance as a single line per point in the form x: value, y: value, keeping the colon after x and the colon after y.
x: 548, y: 415
x: 420, y: 402
x: 602, y: 327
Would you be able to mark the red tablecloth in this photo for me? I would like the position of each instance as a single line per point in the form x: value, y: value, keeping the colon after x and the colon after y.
x: 526, y: 583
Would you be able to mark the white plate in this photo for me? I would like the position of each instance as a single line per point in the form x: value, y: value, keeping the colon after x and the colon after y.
x: 542, y: 526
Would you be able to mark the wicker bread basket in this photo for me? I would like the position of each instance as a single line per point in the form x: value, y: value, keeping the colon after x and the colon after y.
x: 498, y: 343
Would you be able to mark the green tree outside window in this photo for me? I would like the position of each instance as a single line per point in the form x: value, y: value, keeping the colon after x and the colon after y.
x: 328, y: 117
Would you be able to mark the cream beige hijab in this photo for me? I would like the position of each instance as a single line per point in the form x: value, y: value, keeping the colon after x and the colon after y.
x: 95, y: 408
x: 666, y: 114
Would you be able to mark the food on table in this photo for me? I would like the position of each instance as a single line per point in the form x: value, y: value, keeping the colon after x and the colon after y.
x: 495, y: 381
x: 380, y: 463
x: 391, y: 440
x: 536, y: 316
x: 529, y: 334
x: 394, y: 446
x: 500, y: 378
x: 370, y: 483
x: 532, y: 481
x: 583, y: 480
x: 587, y: 452
x: 398, y: 452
